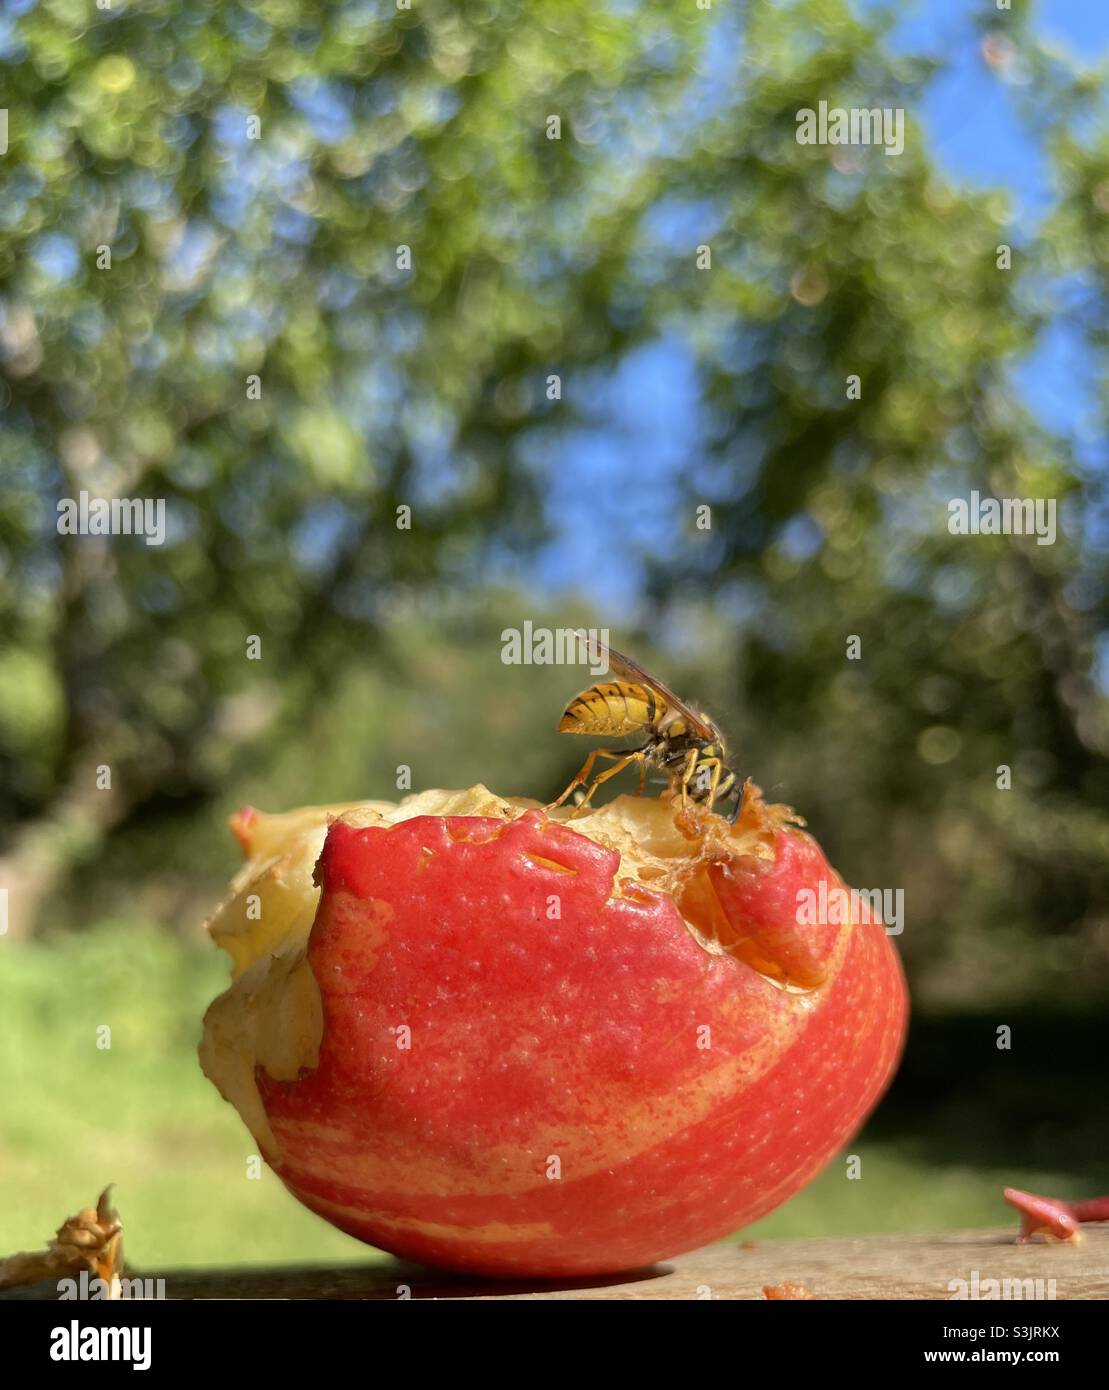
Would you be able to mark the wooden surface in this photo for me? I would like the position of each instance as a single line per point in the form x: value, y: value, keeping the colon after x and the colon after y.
x: 900, y: 1267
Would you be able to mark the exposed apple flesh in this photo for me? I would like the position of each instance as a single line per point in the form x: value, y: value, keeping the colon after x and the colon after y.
x: 511, y: 1046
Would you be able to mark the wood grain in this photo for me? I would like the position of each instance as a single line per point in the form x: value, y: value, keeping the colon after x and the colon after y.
x: 869, y: 1267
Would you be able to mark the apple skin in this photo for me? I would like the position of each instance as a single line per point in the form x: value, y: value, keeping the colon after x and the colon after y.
x: 558, y: 1108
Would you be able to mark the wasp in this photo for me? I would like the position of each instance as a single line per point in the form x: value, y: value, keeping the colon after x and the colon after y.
x: 687, y: 746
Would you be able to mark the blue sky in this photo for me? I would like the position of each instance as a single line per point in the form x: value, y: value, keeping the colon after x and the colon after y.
x: 614, y: 488
x: 978, y: 141
x: 976, y: 138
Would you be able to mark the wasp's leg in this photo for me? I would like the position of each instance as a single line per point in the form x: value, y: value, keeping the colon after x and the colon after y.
x: 714, y: 776
x: 583, y: 776
x: 636, y: 755
x: 642, y: 777
x: 691, y: 761
x: 740, y: 794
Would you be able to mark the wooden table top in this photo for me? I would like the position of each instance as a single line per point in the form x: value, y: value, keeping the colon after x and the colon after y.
x: 867, y: 1267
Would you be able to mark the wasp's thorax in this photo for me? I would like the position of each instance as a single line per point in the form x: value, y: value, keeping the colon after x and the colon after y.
x: 670, y: 750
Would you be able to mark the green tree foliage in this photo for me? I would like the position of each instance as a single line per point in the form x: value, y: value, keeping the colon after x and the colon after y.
x: 277, y: 260
x: 383, y: 387
x: 977, y: 653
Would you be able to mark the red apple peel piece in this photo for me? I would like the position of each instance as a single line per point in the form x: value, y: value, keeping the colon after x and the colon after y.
x: 1052, y: 1217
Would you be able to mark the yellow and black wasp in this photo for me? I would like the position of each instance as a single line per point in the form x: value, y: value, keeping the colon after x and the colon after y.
x: 682, y: 743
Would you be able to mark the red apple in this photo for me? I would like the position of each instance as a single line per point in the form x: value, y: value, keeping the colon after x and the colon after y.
x: 513, y: 1046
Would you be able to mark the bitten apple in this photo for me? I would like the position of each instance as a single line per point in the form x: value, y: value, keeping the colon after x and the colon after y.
x: 483, y: 1038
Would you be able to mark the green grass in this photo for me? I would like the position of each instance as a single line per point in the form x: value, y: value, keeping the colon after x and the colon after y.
x: 139, y: 1114
x: 75, y: 1116
x: 897, y: 1194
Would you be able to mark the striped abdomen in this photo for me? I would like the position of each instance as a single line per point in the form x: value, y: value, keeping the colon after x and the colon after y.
x: 612, y: 707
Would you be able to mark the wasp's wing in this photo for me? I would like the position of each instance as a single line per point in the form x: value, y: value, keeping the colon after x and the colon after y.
x: 624, y: 666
